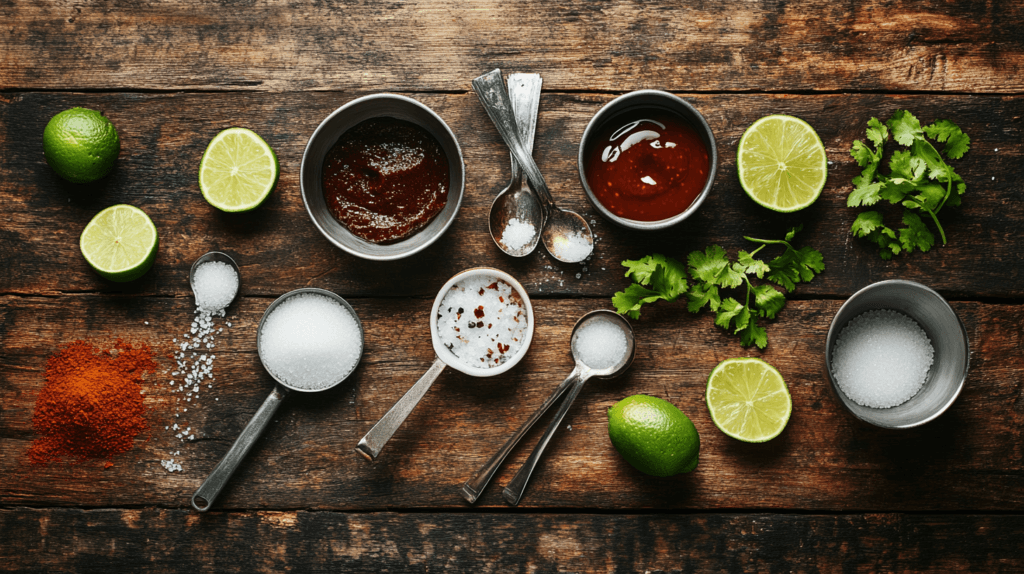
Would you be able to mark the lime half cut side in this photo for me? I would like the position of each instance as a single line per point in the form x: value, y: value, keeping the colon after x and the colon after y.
x: 238, y: 170
x: 781, y: 163
x: 120, y: 243
x: 748, y: 400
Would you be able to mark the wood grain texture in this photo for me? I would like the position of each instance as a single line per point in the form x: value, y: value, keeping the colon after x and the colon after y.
x: 163, y: 138
x: 167, y: 541
x: 967, y: 460
x: 440, y: 46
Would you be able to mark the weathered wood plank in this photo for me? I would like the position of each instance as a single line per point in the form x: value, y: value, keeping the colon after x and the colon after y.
x: 428, y: 46
x: 279, y: 249
x: 970, y: 459
x: 152, y: 540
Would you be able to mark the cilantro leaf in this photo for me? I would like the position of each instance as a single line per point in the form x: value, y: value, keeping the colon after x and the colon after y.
x: 957, y: 142
x: 752, y: 334
x: 769, y: 300
x: 728, y: 311
x: 701, y: 294
x: 877, y: 132
x: 915, y: 234
x: 750, y: 266
x: 794, y: 266
x: 665, y: 277
x: 862, y: 153
x: 712, y: 266
x: 865, y: 193
x: 905, y: 127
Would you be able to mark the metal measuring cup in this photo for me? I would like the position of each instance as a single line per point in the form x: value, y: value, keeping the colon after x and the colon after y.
x: 203, y: 499
x: 378, y: 436
x: 580, y: 374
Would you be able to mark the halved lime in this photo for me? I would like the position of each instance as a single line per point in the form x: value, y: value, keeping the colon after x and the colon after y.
x: 120, y: 243
x: 238, y: 171
x: 748, y: 400
x: 781, y: 163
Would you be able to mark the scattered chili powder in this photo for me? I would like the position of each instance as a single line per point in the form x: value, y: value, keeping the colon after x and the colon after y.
x: 91, y: 405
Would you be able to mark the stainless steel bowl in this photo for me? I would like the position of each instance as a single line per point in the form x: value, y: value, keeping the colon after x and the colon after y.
x: 945, y: 330
x: 644, y: 99
x: 327, y: 134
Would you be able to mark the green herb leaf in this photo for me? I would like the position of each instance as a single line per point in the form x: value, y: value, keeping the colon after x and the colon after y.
x: 915, y: 234
x: 905, y: 127
x: 877, y: 132
x: 769, y: 300
x: 665, y: 277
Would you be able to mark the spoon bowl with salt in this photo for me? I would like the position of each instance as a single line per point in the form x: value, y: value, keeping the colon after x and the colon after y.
x: 212, y: 282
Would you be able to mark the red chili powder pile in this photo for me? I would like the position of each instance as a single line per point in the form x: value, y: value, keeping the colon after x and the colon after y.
x: 91, y: 404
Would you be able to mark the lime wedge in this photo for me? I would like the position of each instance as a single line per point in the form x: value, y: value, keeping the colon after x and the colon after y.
x: 120, y: 243
x: 238, y: 171
x: 781, y: 163
x: 748, y: 400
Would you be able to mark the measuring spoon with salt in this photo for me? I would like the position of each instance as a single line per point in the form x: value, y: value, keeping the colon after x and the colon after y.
x: 517, y: 217
x: 218, y: 257
x: 301, y: 309
x: 565, y: 235
x: 603, y: 346
x: 378, y: 436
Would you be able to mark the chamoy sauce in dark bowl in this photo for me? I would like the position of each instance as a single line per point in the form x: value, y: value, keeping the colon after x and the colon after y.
x: 647, y: 165
x: 385, y: 179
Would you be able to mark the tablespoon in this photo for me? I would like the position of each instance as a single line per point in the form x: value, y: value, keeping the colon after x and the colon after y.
x: 566, y: 235
x: 517, y: 201
x: 577, y: 378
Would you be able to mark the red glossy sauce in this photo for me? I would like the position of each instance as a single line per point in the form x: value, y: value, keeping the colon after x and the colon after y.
x: 385, y: 179
x: 647, y: 165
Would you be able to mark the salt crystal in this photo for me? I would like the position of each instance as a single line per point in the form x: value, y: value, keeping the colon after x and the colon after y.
x: 215, y: 284
x: 482, y: 321
x: 310, y: 341
x: 882, y: 359
x: 518, y: 233
x: 600, y: 344
x: 572, y: 248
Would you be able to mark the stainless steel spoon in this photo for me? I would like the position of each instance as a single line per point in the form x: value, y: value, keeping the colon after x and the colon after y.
x: 203, y: 499
x: 517, y: 201
x: 566, y: 235
x: 214, y: 256
x: 576, y: 379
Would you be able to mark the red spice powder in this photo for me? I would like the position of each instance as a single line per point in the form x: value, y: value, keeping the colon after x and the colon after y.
x: 91, y: 405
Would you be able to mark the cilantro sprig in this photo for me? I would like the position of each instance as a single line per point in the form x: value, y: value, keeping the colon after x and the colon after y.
x: 920, y: 180
x: 663, y: 278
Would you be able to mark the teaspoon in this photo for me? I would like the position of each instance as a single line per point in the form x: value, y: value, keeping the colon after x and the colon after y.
x: 566, y: 235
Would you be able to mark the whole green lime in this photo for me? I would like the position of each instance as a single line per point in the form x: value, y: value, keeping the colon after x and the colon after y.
x: 81, y: 145
x: 653, y: 435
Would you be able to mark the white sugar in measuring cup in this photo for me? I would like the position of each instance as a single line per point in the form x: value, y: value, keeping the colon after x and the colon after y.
x: 203, y: 499
x: 378, y: 436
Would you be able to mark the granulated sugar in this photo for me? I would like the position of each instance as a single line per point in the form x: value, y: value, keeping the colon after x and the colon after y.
x: 215, y: 284
x: 310, y: 341
x: 881, y: 359
x: 573, y: 247
x: 600, y: 344
x: 482, y: 321
x: 518, y: 233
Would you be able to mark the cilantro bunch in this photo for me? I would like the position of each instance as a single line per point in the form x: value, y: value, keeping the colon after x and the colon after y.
x: 659, y: 277
x: 919, y: 179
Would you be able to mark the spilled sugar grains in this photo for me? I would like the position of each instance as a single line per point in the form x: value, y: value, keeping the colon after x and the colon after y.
x: 482, y: 321
x: 881, y: 359
x: 91, y: 405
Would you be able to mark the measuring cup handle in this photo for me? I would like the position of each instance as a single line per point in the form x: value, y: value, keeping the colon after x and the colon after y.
x: 474, y: 486
x: 514, y: 491
x: 203, y: 499
x: 374, y: 441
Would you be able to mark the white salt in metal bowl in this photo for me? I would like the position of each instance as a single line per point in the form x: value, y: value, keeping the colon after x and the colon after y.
x: 948, y: 337
x: 374, y: 440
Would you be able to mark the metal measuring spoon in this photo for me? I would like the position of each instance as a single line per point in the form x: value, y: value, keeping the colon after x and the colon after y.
x: 203, y: 499
x: 562, y: 228
x: 517, y: 201
x: 373, y: 442
x: 214, y: 256
x: 579, y: 375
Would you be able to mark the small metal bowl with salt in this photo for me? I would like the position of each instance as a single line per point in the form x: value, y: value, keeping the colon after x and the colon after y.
x: 896, y: 354
x: 215, y: 281
x: 481, y: 323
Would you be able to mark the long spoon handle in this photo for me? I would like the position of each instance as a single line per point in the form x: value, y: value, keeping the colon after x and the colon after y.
x: 524, y: 92
x: 371, y: 444
x: 203, y: 499
x: 514, y: 491
x: 490, y: 88
x: 474, y: 486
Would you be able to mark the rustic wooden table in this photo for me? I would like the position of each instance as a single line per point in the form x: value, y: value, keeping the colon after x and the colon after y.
x: 828, y: 494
